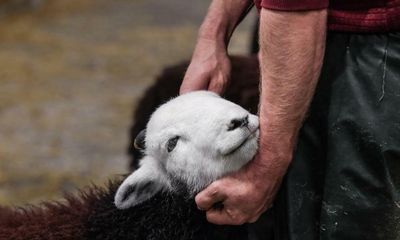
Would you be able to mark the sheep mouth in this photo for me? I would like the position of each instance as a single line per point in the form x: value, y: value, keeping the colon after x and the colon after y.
x: 242, y: 143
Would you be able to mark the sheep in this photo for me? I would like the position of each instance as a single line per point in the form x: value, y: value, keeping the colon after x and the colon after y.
x: 242, y: 90
x: 189, y: 142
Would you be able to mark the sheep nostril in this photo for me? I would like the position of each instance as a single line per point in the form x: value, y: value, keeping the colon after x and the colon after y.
x: 236, y: 123
x: 245, y: 121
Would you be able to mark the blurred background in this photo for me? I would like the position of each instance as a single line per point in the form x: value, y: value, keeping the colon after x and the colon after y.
x: 71, y: 72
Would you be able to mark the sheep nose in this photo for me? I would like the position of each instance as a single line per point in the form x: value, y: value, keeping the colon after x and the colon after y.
x: 241, y: 122
x: 245, y: 121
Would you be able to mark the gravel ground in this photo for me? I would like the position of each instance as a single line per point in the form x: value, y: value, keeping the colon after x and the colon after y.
x: 71, y: 72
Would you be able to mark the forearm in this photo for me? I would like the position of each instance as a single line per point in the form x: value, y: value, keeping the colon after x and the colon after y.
x: 292, y: 48
x: 222, y: 18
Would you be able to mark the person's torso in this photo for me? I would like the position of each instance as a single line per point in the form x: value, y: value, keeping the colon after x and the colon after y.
x: 364, y: 15
x: 347, y: 15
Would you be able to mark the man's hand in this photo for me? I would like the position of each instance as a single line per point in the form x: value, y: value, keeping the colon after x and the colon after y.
x: 245, y: 194
x: 209, y: 69
x: 210, y: 66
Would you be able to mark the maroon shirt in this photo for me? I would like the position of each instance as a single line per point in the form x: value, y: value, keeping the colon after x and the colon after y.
x: 347, y: 15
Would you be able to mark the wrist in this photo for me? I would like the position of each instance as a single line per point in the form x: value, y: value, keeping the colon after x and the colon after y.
x: 268, y: 167
x: 278, y: 129
x: 275, y: 152
x: 211, y: 44
x: 209, y: 51
x: 214, y: 34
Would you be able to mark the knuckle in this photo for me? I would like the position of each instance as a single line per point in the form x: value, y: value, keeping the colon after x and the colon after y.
x: 199, y: 200
x: 212, y: 218
x: 240, y: 221
x: 237, y: 218
x: 253, y: 219
x: 209, y: 217
x: 213, y: 189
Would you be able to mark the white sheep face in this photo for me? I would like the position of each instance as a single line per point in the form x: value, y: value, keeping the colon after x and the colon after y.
x: 195, y: 138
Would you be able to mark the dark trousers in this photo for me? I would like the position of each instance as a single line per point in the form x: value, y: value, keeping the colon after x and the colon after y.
x: 344, y: 181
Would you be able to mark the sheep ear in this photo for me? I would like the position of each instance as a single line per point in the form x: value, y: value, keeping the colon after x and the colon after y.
x: 139, y: 142
x: 141, y: 185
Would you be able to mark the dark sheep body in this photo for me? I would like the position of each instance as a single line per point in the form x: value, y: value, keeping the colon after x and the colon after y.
x: 93, y: 215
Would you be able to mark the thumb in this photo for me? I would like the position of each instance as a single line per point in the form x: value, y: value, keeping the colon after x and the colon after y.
x: 217, y: 86
x: 206, y: 199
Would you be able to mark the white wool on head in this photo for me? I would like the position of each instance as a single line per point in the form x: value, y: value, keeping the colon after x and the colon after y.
x: 195, y: 138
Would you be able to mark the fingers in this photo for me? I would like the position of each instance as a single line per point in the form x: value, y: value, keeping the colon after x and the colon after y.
x: 254, y: 219
x: 219, y: 217
x: 232, y: 216
x: 206, y: 199
x: 264, y: 209
x: 225, y: 217
x: 218, y: 85
x: 229, y: 217
x: 211, y: 196
x: 201, y: 81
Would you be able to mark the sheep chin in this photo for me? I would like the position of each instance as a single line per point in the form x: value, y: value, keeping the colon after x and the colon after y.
x: 242, y: 154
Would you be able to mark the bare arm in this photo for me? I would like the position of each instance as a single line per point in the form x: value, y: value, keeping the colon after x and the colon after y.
x: 210, y: 65
x: 292, y: 49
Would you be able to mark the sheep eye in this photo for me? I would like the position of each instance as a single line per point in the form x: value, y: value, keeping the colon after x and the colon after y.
x: 171, y: 144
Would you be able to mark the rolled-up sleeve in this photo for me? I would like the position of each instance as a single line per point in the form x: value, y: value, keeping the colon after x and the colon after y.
x: 292, y: 5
